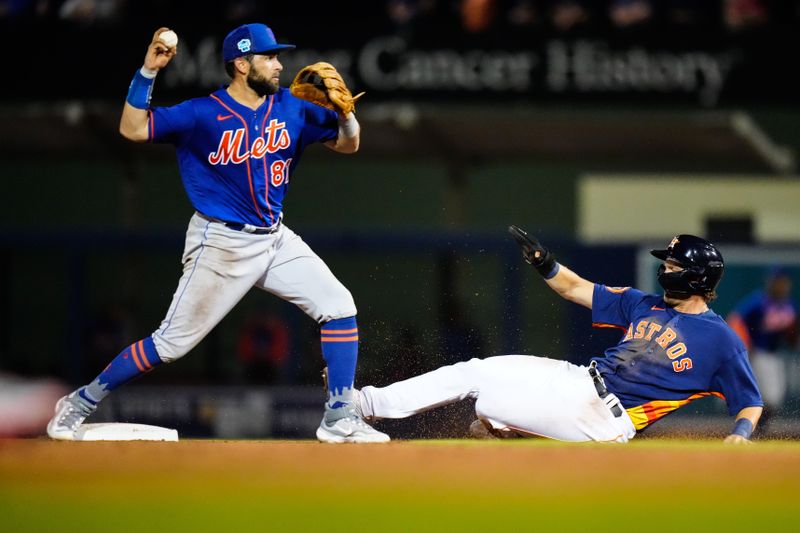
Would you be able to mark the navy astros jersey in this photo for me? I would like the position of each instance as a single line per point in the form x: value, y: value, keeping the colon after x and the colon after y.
x: 667, y: 359
x: 235, y: 161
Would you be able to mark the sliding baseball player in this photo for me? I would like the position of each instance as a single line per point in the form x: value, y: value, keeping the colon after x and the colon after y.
x: 674, y: 349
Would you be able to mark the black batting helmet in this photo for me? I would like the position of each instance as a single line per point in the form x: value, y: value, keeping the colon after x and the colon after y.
x: 702, y: 266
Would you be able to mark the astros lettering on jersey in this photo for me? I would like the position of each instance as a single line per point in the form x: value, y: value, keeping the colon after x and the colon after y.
x: 668, y: 355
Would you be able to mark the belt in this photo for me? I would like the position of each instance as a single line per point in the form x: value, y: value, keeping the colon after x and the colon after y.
x: 247, y: 228
x: 600, y: 387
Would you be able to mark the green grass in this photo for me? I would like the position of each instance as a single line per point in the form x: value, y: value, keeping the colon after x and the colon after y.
x: 441, y: 485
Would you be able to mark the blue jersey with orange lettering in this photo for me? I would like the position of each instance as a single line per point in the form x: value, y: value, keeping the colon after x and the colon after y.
x: 235, y: 161
x: 767, y: 321
x: 667, y: 358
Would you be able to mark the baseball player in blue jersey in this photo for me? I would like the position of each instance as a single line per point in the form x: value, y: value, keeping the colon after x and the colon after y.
x: 766, y: 320
x: 237, y: 149
x: 674, y: 350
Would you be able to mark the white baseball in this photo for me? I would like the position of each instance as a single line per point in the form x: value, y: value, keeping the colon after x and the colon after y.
x: 169, y: 38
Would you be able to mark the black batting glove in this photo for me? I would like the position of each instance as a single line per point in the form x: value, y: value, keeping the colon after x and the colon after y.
x: 534, y: 253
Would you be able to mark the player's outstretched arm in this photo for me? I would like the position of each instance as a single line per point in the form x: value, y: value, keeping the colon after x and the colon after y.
x: 746, y: 421
x: 572, y: 287
x: 564, y: 281
x: 134, y: 122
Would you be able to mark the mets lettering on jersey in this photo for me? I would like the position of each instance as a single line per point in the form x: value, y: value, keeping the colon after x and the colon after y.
x: 666, y: 358
x: 236, y: 162
x: 230, y: 145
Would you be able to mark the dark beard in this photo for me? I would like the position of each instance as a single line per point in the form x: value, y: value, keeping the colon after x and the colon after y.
x: 262, y: 86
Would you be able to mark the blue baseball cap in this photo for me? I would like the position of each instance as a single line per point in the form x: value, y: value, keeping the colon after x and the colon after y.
x: 250, y: 39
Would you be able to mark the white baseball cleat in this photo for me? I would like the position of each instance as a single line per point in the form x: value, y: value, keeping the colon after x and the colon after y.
x: 349, y: 429
x: 71, y: 411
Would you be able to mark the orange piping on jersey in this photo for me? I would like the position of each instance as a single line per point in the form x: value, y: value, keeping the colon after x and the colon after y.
x: 647, y: 413
x: 602, y: 325
x: 617, y: 290
x: 136, y: 358
x: 267, y: 177
x: 340, y: 339
x: 740, y: 328
x: 247, y: 143
x: 338, y: 331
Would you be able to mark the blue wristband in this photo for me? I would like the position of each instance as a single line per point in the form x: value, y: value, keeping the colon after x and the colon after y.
x: 553, y: 272
x: 140, y: 90
x: 743, y: 428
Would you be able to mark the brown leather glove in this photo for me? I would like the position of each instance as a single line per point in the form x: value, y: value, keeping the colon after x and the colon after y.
x: 321, y: 84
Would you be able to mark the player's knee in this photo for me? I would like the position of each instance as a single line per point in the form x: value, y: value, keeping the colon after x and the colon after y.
x: 169, y: 350
x: 339, y: 305
x: 347, y: 303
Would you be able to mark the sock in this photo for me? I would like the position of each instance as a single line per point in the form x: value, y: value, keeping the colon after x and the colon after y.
x: 135, y: 360
x: 340, y: 350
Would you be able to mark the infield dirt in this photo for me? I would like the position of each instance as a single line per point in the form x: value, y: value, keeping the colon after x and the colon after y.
x: 401, y: 486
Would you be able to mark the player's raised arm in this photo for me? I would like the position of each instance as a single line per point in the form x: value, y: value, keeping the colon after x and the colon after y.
x: 564, y: 281
x: 746, y: 421
x: 133, y: 124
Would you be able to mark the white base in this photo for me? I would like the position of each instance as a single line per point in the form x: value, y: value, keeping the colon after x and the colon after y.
x: 117, y: 431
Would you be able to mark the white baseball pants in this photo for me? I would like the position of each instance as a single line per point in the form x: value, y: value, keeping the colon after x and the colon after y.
x: 770, y: 370
x: 221, y: 264
x: 521, y: 393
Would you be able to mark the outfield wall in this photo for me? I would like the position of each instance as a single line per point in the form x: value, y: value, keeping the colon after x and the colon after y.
x: 650, y: 206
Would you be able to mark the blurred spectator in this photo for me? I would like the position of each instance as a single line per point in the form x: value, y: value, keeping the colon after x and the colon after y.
x: 87, y: 12
x: 685, y: 13
x: 415, y: 19
x: 408, y: 17
x: 263, y: 348
x: 740, y: 15
x: 402, y: 12
x: 478, y: 16
x: 567, y: 15
x: 14, y: 9
x: 522, y: 13
x: 241, y: 11
x: 628, y: 13
x: 766, y: 320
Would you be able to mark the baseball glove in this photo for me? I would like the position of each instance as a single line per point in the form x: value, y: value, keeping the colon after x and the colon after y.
x: 533, y: 252
x: 321, y: 84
